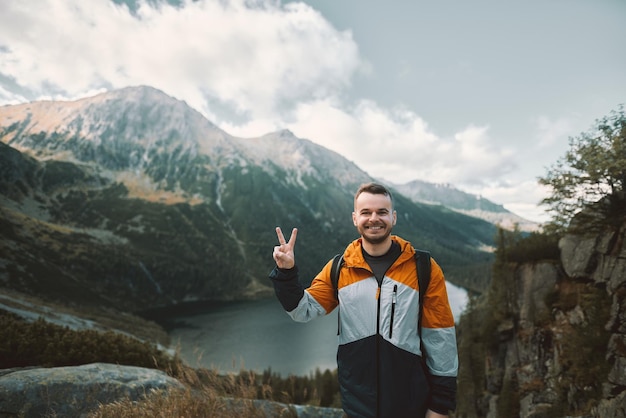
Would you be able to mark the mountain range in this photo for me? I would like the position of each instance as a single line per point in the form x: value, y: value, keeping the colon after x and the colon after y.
x: 134, y: 200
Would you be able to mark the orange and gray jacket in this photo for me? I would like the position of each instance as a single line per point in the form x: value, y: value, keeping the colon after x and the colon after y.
x: 380, y: 359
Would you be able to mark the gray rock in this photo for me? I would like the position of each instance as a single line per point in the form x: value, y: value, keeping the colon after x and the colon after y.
x: 74, y: 391
x: 535, y: 282
x: 281, y: 410
x: 613, y: 407
x: 545, y: 310
x: 304, y: 411
x: 577, y: 255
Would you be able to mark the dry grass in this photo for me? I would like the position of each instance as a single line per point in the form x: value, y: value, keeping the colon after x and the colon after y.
x: 206, y: 394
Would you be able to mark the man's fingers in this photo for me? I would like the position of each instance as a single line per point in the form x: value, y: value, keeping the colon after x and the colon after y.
x: 292, y: 238
x: 283, y: 253
x: 276, y: 254
x: 281, y: 237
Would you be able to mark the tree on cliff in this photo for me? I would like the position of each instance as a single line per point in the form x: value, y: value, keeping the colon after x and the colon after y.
x: 588, y: 182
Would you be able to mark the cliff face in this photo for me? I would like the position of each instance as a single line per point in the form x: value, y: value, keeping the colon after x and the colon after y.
x: 549, y: 340
x: 603, y: 260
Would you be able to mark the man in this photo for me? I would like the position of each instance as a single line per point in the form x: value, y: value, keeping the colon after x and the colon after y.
x: 381, y: 372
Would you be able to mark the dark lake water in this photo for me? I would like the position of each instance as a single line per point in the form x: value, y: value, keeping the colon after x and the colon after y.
x: 258, y: 335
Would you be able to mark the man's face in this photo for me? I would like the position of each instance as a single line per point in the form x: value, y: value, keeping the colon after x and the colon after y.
x: 373, y: 217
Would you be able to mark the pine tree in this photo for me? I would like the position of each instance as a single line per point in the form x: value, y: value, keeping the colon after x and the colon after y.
x: 588, y: 182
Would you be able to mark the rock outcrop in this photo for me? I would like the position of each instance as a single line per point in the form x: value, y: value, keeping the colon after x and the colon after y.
x: 603, y: 260
x: 552, y: 336
x: 74, y: 391
x: 78, y: 390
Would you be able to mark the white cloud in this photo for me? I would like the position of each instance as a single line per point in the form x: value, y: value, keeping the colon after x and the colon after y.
x: 254, y: 57
x: 9, y: 97
x: 271, y: 65
x: 520, y: 197
x: 479, y: 157
x: 550, y: 131
x: 399, y: 146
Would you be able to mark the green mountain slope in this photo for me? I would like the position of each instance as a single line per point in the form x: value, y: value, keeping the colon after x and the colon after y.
x: 132, y: 199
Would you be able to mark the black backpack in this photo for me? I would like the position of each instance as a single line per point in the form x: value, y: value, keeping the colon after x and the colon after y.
x: 422, y: 259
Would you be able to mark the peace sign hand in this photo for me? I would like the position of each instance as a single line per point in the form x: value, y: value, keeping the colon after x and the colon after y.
x: 283, y: 253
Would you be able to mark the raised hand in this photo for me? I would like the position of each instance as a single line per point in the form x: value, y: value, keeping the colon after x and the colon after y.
x: 283, y: 253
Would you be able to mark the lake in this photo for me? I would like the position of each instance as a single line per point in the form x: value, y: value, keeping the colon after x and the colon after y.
x: 258, y: 335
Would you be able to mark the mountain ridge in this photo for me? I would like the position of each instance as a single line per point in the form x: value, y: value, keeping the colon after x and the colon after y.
x: 466, y: 203
x: 162, y: 193
x: 188, y: 127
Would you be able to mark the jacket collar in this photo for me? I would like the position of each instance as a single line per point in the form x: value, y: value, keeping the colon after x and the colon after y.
x: 353, y: 256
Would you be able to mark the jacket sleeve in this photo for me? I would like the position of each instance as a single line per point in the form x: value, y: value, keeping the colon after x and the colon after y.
x: 287, y: 287
x: 301, y: 304
x: 442, y: 394
x: 439, y: 343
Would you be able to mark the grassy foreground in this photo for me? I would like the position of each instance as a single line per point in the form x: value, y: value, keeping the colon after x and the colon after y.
x: 206, y: 393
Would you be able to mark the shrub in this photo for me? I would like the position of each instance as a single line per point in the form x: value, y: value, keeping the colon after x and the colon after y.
x: 42, y: 343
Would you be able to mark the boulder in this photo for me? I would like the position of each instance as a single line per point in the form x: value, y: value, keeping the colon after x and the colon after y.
x: 578, y: 255
x: 74, y: 391
x: 279, y: 410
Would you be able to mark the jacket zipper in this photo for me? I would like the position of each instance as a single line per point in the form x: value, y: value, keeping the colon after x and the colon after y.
x: 394, y: 299
x: 378, y: 389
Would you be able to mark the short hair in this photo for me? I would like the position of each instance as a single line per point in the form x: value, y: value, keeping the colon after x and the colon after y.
x: 373, y: 188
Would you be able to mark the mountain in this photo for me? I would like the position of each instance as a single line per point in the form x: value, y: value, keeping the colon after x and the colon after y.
x: 467, y: 203
x: 134, y: 200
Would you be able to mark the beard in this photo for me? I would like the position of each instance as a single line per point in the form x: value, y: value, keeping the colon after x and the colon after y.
x: 376, y: 239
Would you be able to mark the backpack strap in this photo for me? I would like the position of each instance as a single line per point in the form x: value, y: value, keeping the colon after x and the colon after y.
x: 334, y: 279
x: 334, y: 273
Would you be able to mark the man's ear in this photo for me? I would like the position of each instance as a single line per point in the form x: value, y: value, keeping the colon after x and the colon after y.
x: 395, y: 217
x: 354, y: 218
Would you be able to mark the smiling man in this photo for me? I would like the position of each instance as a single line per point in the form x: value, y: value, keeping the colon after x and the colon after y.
x: 389, y: 367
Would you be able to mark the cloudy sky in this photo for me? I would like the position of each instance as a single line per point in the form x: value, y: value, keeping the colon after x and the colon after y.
x: 480, y: 94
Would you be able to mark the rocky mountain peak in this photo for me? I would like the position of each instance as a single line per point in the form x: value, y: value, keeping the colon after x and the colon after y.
x: 163, y: 192
x: 141, y: 117
x: 142, y: 130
